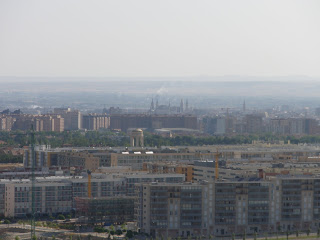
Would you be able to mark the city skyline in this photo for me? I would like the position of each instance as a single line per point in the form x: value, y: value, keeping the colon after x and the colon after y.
x: 159, y: 119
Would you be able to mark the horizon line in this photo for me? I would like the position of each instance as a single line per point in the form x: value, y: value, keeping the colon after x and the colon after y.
x: 217, y: 78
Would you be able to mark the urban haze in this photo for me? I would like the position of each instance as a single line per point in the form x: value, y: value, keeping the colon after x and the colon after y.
x: 159, y: 120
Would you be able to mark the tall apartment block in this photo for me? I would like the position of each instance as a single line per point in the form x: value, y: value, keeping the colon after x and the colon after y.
x: 6, y: 122
x: 95, y: 121
x: 53, y: 123
x: 253, y: 123
x: 223, y: 208
x: 293, y: 126
x: 170, y: 210
x: 72, y: 118
x: 126, y: 121
x: 49, y: 123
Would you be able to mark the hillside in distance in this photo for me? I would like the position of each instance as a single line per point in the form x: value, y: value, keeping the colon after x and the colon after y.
x: 188, y: 86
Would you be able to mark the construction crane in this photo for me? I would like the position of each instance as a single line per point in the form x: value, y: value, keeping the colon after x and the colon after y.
x: 89, y: 183
x: 33, y: 164
x: 216, y: 165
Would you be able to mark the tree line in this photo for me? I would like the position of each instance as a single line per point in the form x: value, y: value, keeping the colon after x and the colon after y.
x: 113, y: 139
x: 66, y: 138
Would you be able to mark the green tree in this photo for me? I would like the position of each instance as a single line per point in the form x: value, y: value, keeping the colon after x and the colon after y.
x: 99, y: 229
x: 118, y: 232
x: 278, y: 230
x: 112, y: 228
x: 123, y: 226
x: 6, y: 221
x: 308, y: 231
x: 244, y: 235
x: 129, y: 234
x: 61, y: 217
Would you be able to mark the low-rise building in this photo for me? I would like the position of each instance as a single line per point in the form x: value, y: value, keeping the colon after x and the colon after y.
x: 137, y: 158
x: 79, y: 160
x: 170, y: 167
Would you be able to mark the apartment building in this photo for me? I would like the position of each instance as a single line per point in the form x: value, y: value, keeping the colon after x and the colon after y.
x: 72, y: 118
x: 253, y: 123
x: 78, y: 160
x: 107, y: 209
x: 139, y: 178
x: 169, y: 167
x: 293, y: 126
x: 67, y: 157
x: 136, y: 159
x: 52, y: 195
x: 235, y: 206
x: 54, y: 123
x: 42, y: 156
x: 218, y: 125
x: 174, y: 210
x: 240, y: 206
x: 205, y: 170
x: 56, y: 195
x: 95, y: 121
x: 47, y: 157
x: 126, y: 121
x: 295, y: 203
x: 6, y: 122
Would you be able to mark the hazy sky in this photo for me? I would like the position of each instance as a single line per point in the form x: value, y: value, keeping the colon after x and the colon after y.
x: 159, y: 38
